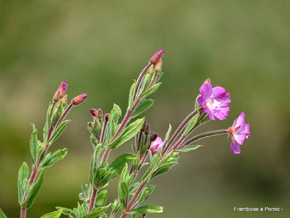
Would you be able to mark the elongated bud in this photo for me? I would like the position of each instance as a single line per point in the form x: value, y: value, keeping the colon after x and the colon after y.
x: 156, y: 57
x: 79, y: 99
x: 60, y: 92
x: 158, y: 66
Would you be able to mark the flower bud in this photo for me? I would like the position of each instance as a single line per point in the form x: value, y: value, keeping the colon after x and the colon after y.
x: 156, y: 145
x: 156, y: 57
x: 79, y: 99
x: 107, y: 116
x: 60, y: 92
x: 158, y: 66
x: 93, y: 112
x: 64, y: 100
x: 99, y: 113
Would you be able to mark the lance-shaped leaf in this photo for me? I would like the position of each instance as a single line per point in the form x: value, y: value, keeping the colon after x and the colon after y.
x: 145, y: 193
x: 54, y: 214
x: 101, y: 198
x: 128, y: 133
x: 22, y: 182
x: 142, y: 107
x: 51, y: 159
x: 33, y: 190
x: 33, y: 144
x: 151, y: 90
x: 97, y: 211
x: 191, y: 124
x: 112, y: 125
x: 59, y: 130
x: 131, y: 95
x: 189, y: 148
x: 147, y: 209
x: 119, y: 163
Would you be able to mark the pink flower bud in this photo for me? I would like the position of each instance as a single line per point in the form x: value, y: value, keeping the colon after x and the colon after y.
x: 60, y: 92
x: 156, y: 57
x: 156, y: 145
x: 93, y: 112
x: 79, y: 99
x: 99, y: 113
x: 107, y: 116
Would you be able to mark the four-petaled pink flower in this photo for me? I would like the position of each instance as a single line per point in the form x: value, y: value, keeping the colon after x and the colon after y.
x: 156, y: 145
x: 214, y: 100
x: 239, y: 132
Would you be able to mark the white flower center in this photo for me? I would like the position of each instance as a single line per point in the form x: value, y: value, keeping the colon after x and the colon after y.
x: 212, y: 103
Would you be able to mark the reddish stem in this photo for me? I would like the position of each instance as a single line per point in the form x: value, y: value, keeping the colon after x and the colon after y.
x: 93, y: 199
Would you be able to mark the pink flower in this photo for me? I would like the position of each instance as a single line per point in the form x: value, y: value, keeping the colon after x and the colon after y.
x: 214, y: 100
x: 156, y: 145
x: 239, y: 132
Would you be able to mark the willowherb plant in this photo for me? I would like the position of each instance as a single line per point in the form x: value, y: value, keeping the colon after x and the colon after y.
x: 150, y: 152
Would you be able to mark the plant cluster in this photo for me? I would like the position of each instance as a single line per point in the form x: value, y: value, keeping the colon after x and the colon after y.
x: 151, y: 156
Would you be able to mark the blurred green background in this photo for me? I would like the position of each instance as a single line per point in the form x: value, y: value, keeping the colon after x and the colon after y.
x: 99, y: 47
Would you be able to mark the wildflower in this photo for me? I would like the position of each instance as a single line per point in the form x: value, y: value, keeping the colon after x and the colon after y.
x: 156, y: 145
x: 239, y: 132
x: 214, y: 100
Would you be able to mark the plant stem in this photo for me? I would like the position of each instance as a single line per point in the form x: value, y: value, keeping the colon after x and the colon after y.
x: 204, y: 135
x: 180, y: 127
x: 93, y: 199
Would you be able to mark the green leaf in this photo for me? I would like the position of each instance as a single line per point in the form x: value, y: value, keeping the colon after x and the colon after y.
x: 59, y: 130
x: 2, y: 214
x: 55, y: 214
x: 123, y: 192
x: 112, y: 125
x: 191, y: 124
x: 147, y: 209
x: 68, y: 212
x: 131, y: 95
x: 189, y: 148
x: 119, y: 163
x: 34, y: 189
x: 54, y: 157
x: 151, y: 90
x: 22, y: 182
x: 142, y: 107
x: 97, y: 211
x: 145, y: 193
x: 33, y: 144
x: 101, y: 198
x: 196, y: 105
x: 128, y: 133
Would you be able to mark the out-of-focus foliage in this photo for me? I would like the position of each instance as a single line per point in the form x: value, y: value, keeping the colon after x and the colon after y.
x: 99, y: 47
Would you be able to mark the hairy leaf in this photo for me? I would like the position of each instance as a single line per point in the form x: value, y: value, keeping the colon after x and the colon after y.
x: 142, y: 107
x: 22, y: 182
x: 59, y: 130
x: 147, y: 209
x: 54, y: 157
x: 128, y: 133
x: 54, y: 214
x: 33, y: 144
